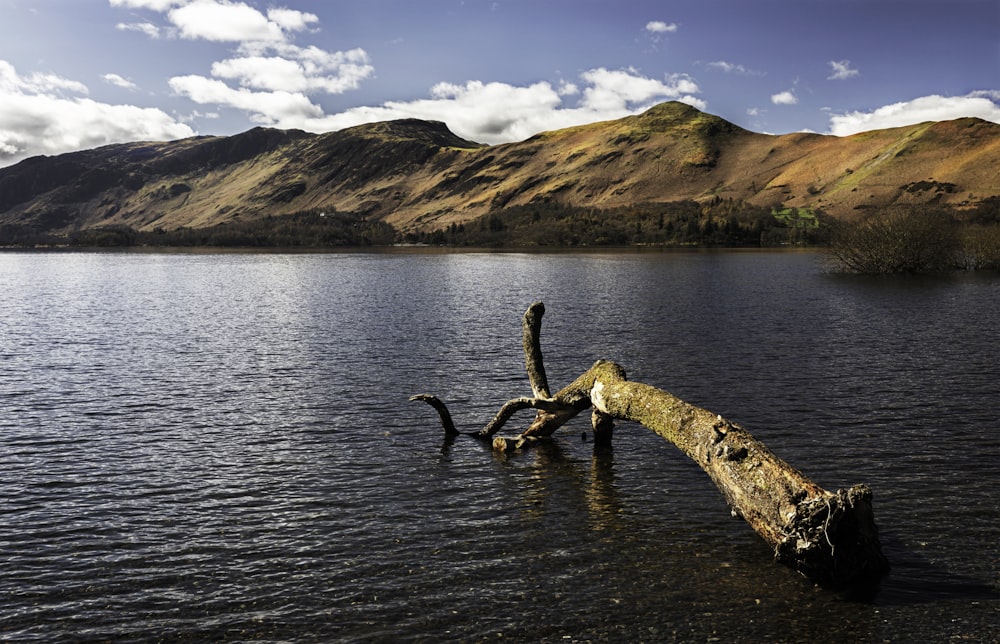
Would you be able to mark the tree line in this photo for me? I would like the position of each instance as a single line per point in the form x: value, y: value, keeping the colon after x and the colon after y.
x: 311, y: 229
x: 720, y: 222
x: 899, y: 239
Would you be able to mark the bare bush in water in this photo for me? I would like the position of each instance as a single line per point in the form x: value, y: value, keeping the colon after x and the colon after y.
x: 900, y: 239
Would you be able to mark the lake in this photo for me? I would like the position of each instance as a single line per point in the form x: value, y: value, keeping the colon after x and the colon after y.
x: 219, y: 446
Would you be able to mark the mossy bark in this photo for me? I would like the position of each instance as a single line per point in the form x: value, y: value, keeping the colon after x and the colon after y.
x: 829, y: 537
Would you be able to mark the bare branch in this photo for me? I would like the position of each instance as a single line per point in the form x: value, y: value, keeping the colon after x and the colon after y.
x: 531, y: 337
x: 442, y: 410
x: 499, y: 420
x: 511, y: 407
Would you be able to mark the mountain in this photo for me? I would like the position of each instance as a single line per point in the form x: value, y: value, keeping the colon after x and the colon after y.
x: 418, y: 175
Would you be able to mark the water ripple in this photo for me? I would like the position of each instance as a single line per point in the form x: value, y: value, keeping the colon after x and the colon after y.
x: 220, y: 447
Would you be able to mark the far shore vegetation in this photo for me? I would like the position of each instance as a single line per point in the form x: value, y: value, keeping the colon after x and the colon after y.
x: 922, y: 238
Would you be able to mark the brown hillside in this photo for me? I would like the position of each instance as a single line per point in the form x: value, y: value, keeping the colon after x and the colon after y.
x: 418, y: 175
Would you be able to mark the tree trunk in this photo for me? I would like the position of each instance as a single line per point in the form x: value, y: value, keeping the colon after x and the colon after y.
x: 829, y: 537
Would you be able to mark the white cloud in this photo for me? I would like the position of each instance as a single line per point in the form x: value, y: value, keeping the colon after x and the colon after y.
x: 37, y: 118
x: 194, y: 115
x: 784, y: 98
x: 275, y: 108
x: 224, y: 21
x: 660, y: 27
x: 147, y: 28
x: 926, y: 108
x: 992, y: 94
x: 36, y: 83
x: 155, y: 5
x: 219, y: 20
x: 274, y: 73
x: 308, y: 69
x: 694, y: 102
x: 732, y: 68
x: 267, y: 73
x: 568, y: 89
x: 841, y: 70
x: 317, y: 60
x: 291, y: 20
x: 119, y: 81
x: 275, y: 89
x: 613, y: 91
x: 727, y: 67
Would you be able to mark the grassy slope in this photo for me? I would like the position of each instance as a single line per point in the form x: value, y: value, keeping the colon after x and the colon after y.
x: 417, y: 175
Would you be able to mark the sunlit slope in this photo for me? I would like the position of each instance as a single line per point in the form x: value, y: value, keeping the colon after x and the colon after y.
x: 419, y: 175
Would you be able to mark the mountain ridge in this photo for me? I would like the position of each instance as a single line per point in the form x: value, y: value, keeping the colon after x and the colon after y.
x: 419, y: 175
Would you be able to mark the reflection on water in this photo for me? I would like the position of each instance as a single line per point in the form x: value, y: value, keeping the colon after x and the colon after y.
x: 219, y: 446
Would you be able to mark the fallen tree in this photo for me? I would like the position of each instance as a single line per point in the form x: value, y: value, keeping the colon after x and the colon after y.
x: 830, y: 537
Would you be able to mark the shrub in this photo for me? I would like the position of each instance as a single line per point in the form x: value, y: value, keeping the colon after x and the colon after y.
x: 981, y: 247
x: 898, y: 240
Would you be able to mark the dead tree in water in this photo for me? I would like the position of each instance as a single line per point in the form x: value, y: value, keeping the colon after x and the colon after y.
x: 829, y: 537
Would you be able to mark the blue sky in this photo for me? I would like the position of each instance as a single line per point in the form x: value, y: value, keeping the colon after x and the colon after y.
x: 82, y: 73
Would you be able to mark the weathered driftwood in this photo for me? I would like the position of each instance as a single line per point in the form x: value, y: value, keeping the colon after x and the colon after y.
x: 830, y: 537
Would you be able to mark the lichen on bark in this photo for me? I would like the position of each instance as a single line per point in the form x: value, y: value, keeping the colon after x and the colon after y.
x: 830, y: 537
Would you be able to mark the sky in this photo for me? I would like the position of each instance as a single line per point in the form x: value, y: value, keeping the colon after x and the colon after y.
x: 78, y: 74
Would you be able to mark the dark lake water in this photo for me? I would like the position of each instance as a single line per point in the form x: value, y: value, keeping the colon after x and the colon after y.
x: 219, y: 447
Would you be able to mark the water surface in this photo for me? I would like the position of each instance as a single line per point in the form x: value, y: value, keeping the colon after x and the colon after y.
x: 219, y: 446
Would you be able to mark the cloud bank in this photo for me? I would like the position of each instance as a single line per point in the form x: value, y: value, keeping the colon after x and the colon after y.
x: 48, y: 114
x: 918, y: 110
